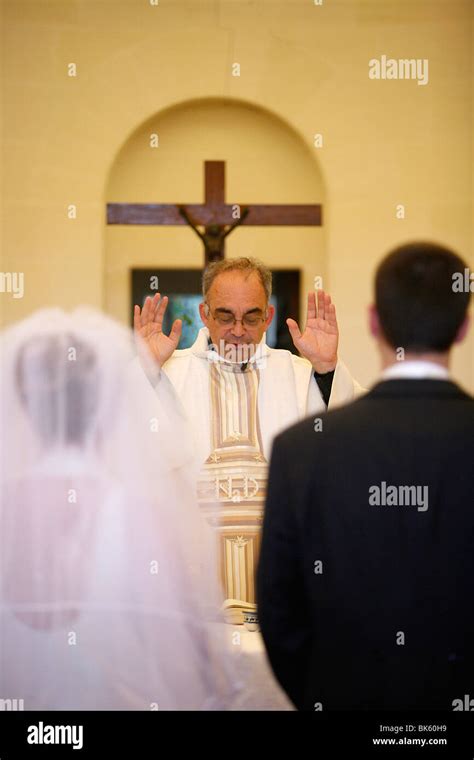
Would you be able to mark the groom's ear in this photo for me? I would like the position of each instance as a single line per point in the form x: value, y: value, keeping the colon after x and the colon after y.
x: 461, y: 333
x: 374, y: 321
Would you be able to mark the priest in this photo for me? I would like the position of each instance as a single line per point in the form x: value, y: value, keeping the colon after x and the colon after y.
x: 234, y: 394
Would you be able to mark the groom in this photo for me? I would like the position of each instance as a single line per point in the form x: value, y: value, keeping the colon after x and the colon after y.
x: 366, y: 573
x: 236, y: 393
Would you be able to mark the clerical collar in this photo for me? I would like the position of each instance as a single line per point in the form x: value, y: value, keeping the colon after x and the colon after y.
x: 415, y: 369
x: 255, y: 361
x: 204, y: 348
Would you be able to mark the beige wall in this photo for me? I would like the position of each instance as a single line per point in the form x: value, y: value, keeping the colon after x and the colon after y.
x: 265, y: 162
x: 67, y: 139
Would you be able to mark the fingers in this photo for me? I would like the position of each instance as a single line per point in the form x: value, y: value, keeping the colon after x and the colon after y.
x: 326, y: 309
x: 311, y: 314
x: 146, y: 309
x: 331, y: 315
x: 175, y: 332
x: 294, y: 329
x: 152, y: 311
x: 137, y: 323
x: 322, y: 304
x: 160, y: 308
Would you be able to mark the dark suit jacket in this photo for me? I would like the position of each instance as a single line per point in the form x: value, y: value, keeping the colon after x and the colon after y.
x: 386, y: 621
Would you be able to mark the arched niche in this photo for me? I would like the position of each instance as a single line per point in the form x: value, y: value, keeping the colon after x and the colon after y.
x: 267, y: 161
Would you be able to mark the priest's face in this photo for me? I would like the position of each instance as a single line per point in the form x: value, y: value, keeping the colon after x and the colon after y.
x: 236, y: 295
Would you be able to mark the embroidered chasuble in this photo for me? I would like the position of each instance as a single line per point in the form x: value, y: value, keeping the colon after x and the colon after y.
x: 232, y: 481
x: 225, y: 420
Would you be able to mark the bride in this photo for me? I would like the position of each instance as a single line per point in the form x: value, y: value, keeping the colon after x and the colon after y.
x: 107, y: 590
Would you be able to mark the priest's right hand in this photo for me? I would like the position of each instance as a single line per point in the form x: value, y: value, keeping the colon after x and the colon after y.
x: 148, y: 325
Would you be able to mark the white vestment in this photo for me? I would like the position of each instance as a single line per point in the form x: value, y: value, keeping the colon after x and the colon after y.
x: 230, y: 415
x: 220, y: 423
x: 287, y: 390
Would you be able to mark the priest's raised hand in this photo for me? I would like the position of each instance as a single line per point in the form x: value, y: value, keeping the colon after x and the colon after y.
x: 318, y: 343
x: 148, y: 324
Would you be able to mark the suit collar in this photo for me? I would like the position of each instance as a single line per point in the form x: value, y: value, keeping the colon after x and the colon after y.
x: 415, y: 368
x: 417, y: 387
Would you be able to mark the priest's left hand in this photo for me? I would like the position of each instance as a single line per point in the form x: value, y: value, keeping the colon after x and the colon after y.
x: 318, y: 343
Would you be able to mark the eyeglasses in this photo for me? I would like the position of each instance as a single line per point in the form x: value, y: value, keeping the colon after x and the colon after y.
x: 226, y: 318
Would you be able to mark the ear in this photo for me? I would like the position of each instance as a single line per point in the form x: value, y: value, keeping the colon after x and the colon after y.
x: 374, y: 322
x: 202, y: 313
x: 271, y: 314
x: 461, y: 333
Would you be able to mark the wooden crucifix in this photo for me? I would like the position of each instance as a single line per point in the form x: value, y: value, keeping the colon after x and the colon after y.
x: 216, y: 216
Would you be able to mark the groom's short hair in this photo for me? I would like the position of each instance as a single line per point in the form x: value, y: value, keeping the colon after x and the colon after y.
x: 419, y: 308
x: 245, y: 264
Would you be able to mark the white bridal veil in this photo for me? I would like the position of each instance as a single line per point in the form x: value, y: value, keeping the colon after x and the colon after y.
x: 107, y: 579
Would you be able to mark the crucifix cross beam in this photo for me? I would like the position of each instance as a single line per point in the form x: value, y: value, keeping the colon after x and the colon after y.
x: 216, y: 216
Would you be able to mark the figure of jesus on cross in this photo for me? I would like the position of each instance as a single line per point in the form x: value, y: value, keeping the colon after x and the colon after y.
x: 214, y: 235
x: 217, y: 217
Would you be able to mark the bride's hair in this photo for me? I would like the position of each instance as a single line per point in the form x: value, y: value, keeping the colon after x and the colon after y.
x: 61, y: 373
